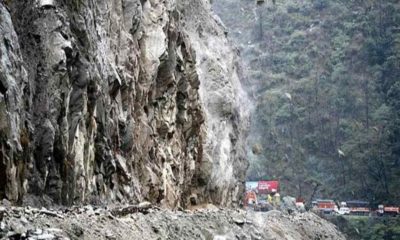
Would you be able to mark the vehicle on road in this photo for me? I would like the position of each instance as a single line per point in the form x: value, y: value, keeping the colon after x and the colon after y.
x: 326, y: 206
x: 387, y: 210
x: 250, y: 198
x: 358, y: 207
x: 343, y: 211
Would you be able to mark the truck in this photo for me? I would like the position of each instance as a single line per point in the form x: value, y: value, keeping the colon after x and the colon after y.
x: 250, y: 198
x: 300, y: 202
x: 343, y: 209
x: 326, y: 206
x: 265, y: 190
x: 387, y: 210
x: 358, y: 207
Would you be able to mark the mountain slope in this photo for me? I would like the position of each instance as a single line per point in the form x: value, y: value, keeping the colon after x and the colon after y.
x: 325, y: 76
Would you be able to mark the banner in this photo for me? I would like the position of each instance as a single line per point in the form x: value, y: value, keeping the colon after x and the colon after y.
x: 265, y: 187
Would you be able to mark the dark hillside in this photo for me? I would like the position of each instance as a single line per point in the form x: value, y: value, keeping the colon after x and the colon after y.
x: 326, y: 78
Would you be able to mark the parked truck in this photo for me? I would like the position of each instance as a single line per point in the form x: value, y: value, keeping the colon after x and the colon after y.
x: 388, y: 210
x: 326, y: 206
x: 358, y: 207
x: 258, y: 192
x: 250, y: 198
x: 343, y: 209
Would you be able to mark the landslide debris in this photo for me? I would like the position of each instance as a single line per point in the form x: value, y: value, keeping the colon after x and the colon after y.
x: 91, y: 222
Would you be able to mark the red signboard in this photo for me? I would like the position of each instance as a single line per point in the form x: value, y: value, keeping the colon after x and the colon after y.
x: 265, y: 187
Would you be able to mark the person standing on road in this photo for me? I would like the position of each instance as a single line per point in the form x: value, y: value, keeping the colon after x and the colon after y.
x: 277, y: 199
x: 269, y: 199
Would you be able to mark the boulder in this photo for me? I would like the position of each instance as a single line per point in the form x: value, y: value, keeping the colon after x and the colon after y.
x: 288, y: 204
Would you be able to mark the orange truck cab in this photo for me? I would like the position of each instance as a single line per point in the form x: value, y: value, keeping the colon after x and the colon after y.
x: 300, y: 203
x: 326, y: 206
x: 250, y: 198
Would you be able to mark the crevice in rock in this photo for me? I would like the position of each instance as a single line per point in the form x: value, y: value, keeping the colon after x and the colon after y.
x: 3, y: 89
x: 3, y: 175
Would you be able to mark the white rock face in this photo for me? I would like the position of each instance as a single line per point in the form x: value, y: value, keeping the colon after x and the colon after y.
x: 226, y: 104
x: 119, y: 102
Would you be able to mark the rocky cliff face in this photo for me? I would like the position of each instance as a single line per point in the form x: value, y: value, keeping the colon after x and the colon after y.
x: 130, y: 100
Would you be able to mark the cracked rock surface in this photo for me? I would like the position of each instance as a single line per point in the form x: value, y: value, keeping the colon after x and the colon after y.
x: 119, y: 101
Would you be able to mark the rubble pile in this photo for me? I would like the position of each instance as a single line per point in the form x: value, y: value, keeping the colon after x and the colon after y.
x: 148, y: 222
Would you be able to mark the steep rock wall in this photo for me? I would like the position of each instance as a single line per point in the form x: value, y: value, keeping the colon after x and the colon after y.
x: 226, y: 105
x: 105, y: 101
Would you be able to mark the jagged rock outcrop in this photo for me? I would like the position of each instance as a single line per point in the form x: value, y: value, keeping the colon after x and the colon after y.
x: 226, y: 105
x: 104, y: 101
